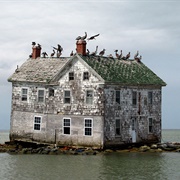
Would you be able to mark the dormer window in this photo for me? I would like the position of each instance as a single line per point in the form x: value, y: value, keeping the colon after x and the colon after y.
x: 86, y: 76
x: 71, y: 76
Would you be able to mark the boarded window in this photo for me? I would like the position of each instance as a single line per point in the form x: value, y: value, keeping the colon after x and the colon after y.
x: 88, y: 127
x: 24, y: 95
x: 89, y: 97
x: 67, y: 97
x: 71, y: 76
x: 118, y: 97
x: 86, y: 76
x: 37, y: 123
x: 66, y: 126
x: 40, y: 95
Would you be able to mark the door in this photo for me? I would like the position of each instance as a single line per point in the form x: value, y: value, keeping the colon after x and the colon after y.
x: 133, y: 132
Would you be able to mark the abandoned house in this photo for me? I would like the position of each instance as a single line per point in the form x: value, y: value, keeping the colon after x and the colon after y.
x: 85, y: 99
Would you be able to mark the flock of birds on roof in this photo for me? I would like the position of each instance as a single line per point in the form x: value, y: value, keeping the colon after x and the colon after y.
x: 59, y: 49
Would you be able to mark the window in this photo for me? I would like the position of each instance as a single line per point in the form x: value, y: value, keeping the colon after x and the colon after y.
x: 51, y: 92
x: 88, y: 127
x: 37, y: 123
x: 89, y: 97
x: 150, y: 125
x: 118, y: 127
x: 150, y: 97
x: 86, y: 76
x: 66, y: 126
x: 134, y: 98
x: 40, y: 95
x: 71, y: 76
x: 24, y: 94
x: 67, y: 97
x: 118, y: 97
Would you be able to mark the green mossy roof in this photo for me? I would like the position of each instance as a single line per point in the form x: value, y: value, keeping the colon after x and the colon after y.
x: 128, y: 72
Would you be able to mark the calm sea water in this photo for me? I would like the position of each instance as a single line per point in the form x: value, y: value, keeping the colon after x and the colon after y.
x: 125, y: 166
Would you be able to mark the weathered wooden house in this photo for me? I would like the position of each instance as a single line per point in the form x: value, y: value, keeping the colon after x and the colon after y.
x: 85, y: 100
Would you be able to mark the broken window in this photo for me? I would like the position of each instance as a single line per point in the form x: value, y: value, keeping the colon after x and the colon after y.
x: 89, y: 97
x: 134, y: 98
x: 71, y: 76
x: 88, y: 127
x: 40, y: 95
x: 86, y: 76
x: 150, y: 97
x: 67, y: 97
x: 118, y: 97
x: 118, y: 127
x: 24, y: 94
x: 37, y: 123
x: 150, y: 125
x: 51, y: 92
x: 66, y: 126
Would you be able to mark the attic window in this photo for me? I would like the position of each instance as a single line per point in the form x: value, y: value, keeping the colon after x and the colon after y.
x: 67, y: 97
x: 24, y: 93
x: 86, y: 76
x: 71, y: 76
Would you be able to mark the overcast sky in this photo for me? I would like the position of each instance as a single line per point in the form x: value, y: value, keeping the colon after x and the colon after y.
x: 152, y: 27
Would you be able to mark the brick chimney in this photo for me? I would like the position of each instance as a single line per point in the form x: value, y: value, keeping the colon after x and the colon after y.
x: 36, y: 51
x: 81, y: 47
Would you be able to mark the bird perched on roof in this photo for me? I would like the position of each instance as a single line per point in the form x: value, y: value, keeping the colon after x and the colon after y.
x: 71, y: 54
x: 110, y: 56
x: 95, y: 52
x: 87, y: 52
x: 117, y: 55
x: 59, y: 50
x: 102, y: 52
x: 121, y: 55
x: 93, y: 37
x: 53, y: 53
x: 128, y: 55
x: 82, y: 37
x: 44, y: 54
x: 136, y: 55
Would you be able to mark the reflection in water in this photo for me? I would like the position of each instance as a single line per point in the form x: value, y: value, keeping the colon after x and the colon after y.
x: 82, y: 167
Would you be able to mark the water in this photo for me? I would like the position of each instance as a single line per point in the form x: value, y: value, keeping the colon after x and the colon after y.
x: 123, y: 166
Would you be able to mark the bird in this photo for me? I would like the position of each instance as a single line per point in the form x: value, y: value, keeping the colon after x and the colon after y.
x: 39, y: 46
x: 59, y: 50
x: 33, y: 43
x: 82, y: 37
x: 102, y: 52
x: 128, y: 56
x: 93, y: 37
x: 95, y: 52
x: 136, y: 55
x: 71, y: 53
x: 117, y: 55
x: 88, y: 52
x: 110, y: 56
x: 121, y: 55
x: 52, y: 54
x: 44, y: 54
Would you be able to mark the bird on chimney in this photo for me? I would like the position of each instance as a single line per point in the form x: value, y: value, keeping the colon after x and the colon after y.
x: 93, y: 37
x: 71, y: 53
x: 95, y: 52
x: 39, y: 46
x: 53, y: 53
x: 102, y: 52
x: 82, y: 37
x: 33, y: 44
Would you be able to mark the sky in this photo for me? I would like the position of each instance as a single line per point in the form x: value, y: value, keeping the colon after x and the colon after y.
x: 152, y: 27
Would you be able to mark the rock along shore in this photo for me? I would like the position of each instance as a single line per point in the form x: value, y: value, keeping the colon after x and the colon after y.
x: 53, y: 150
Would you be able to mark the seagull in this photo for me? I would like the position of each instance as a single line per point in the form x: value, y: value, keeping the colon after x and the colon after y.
x: 82, y: 37
x: 93, y: 37
x: 102, y: 52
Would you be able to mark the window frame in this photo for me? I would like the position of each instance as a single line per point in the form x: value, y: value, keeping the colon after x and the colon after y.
x: 89, y: 100
x: 150, y: 125
x: 85, y: 75
x: 117, y: 119
x: 27, y: 98
x: 65, y: 97
x: 38, y: 97
x: 134, y: 98
x: 119, y: 101
x: 37, y: 123
x: 66, y: 126
x: 88, y: 127
x: 71, y: 76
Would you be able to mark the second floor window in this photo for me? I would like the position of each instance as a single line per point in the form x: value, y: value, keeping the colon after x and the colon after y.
x: 67, y: 97
x: 86, y: 76
x: 24, y: 95
x: 40, y: 95
x: 89, y: 97
x: 71, y: 76
x: 134, y: 98
x: 150, y: 97
x: 118, y: 97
